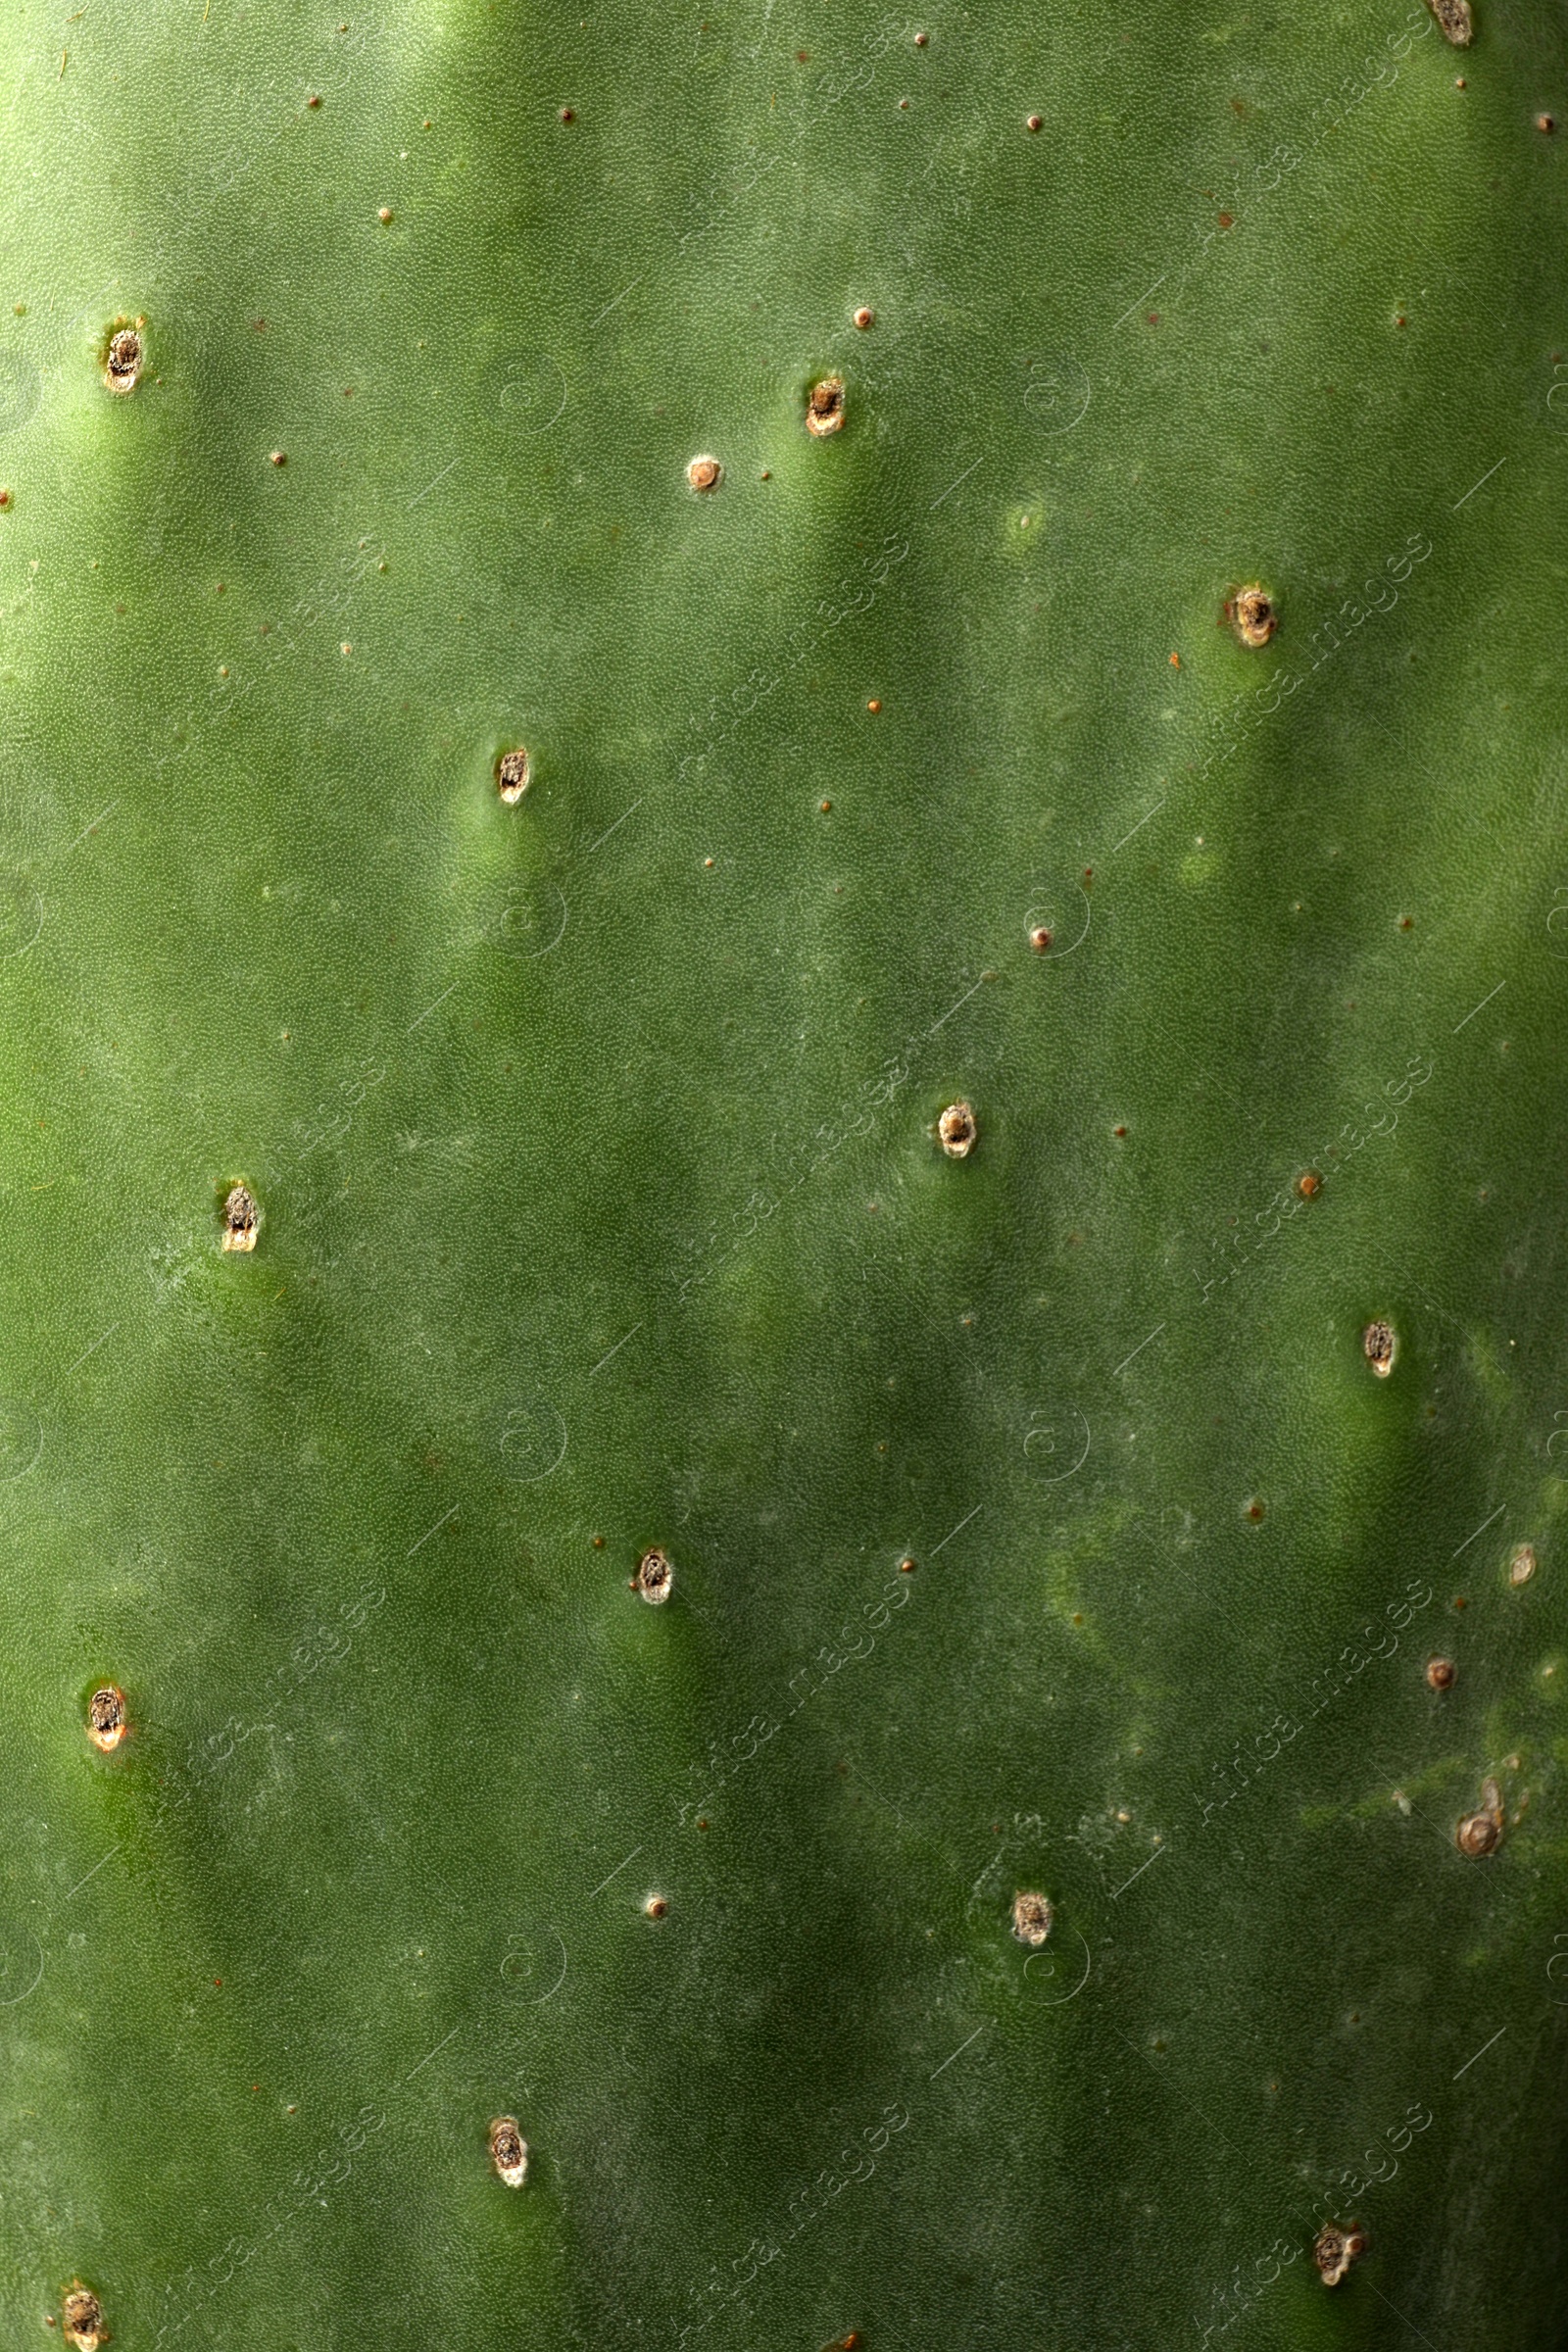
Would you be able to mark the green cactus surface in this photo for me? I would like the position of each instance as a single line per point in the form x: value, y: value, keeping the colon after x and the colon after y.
x: 783, y: 943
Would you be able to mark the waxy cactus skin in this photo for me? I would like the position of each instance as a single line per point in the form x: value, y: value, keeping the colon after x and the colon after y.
x: 673, y: 604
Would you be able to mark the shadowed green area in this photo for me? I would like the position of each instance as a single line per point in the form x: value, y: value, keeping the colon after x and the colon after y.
x: 602, y: 1205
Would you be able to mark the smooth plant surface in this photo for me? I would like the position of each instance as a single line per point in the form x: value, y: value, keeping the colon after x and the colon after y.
x: 783, y: 935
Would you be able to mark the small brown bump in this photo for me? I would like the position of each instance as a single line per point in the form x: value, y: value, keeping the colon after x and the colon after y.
x: 957, y: 1131
x: 1254, y: 1510
x: 513, y: 774
x: 384, y: 215
x: 873, y: 707
x: 1454, y: 20
x: 1032, y: 1917
x: 1310, y: 1184
x: 826, y: 806
x: 509, y: 2151
x: 864, y: 317
x: 824, y: 408
x: 5, y: 498
x: 1118, y: 1131
x: 314, y: 99
x: 1545, y: 122
x: 276, y: 458
x: 920, y: 40
x: 1377, y: 1346
x: 704, y: 473
x: 84, y: 2319
x: 1252, y: 615
x: 653, y: 1578
x: 1478, y: 1835
x: 1440, y: 1673
x: 241, y: 1218
x: 567, y: 114
x: 1040, y: 939
x: 1522, y: 1567
x: 1035, y: 122
x: 122, y: 361
x: 1335, y: 2249
x: 656, y: 1906
x: 106, y: 1717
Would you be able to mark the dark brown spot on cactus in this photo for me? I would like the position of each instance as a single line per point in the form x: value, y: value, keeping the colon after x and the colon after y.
x: 653, y: 1578
x: 704, y: 473
x: 241, y: 1218
x: 824, y: 407
x: 513, y: 774
x: 906, y: 1567
x: 957, y: 1131
x: 314, y: 100
x: 1454, y: 20
x: 106, y: 1717
x: 864, y: 317
x: 1254, y: 1510
x: 1335, y: 2249
x: 567, y: 114
x: 1522, y: 1567
x: 1034, y: 122
x: 4, y: 500
x: 1479, y: 1833
x: 1252, y: 615
x: 1377, y: 1346
x: 920, y: 40
x: 122, y: 359
x: 656, y: 1906
x: 1032, y: 1917
x: 509, y: 2151
x: 384, y: 215
x: 276, y: 456
x: 84, y: 2319
x: 873, y: 705
x: 1040, y: 940
x: 1440, y: 1673
x: 1310, y: 1184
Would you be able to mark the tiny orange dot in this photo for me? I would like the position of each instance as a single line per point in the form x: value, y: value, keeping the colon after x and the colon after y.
x: 384, y: 215
x: 567, y: 114
x: 863, y: 316
x: 708, y: 861
x: 766, y: 475
x: 223, y: 670
x: 1545, y: 122
x: 826, y: 806
x: 906, y: 1567
x: 1118, y: 1131
x: 5, y: 498
x: 1458, y: 82
x: 313, y: 100
x: 278, y: 458
x: 1175, y: 660
x: 920, y: 40
x: 1035, y: 122
x: 873, y: 705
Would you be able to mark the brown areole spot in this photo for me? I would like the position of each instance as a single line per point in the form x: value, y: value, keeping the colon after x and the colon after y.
x: 1252, y: 615
x: 513, y: 774
x: 653, y: 1578
x: 1335, y: 2249
x: 705, y: 472
x: 241, y: 1218
x: 1454, y: 20
x: 824, y: 407
x: 106, y: 1717
x: 1440, y: 1673
x: 509, y: 2151
x: 1377, y: 1346
x: 123, y: 357
x: 957, y: 1131
x: 1033, y: 1918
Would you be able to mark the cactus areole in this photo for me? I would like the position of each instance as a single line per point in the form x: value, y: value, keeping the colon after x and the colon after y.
x: 783, y: 953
